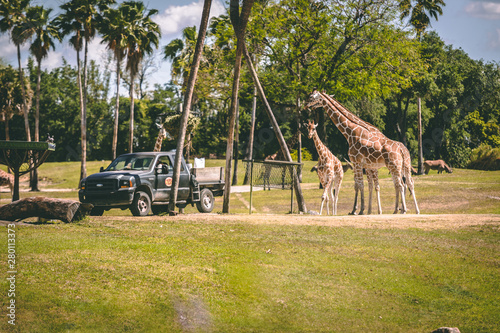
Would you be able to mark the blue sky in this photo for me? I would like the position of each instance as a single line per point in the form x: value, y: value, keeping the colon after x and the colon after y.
x: 473, y: 25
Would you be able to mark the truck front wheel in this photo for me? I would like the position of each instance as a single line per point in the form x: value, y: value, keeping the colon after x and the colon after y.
x: 141, y: 204
x: 206, y: 203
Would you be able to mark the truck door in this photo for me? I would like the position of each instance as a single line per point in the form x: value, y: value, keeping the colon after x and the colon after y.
x: 164, y: 180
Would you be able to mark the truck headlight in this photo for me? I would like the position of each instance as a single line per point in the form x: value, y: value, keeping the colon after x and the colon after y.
x: 125, y: 183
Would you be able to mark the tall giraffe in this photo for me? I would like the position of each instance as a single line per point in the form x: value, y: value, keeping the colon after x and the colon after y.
x: 369, y: 149
x: 162, y: 134
x: 330, y: 171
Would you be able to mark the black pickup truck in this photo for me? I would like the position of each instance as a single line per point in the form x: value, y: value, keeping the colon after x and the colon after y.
x: 142, y: 183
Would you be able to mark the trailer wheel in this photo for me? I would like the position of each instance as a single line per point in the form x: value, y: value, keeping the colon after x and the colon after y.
x: 141, y: 204
x: 206, y: 203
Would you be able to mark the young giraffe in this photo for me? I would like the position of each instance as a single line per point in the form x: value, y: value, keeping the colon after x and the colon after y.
x: 330, y: 171
x: 369, y: 149
x: 7, y: 179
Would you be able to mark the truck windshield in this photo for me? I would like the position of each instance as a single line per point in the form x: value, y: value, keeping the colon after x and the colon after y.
x: 130, y: 163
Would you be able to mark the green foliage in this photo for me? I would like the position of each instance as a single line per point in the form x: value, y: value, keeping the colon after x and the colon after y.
x: 485, y: 157
x: 306, y: 155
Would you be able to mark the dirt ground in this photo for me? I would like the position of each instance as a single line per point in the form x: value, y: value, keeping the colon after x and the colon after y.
x: 428, y: 222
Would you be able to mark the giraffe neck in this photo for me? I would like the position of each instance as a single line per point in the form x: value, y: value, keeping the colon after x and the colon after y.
x: 158, y: 143
x: 344, y: 124
x: 320, y: 147
x: 349, y: 115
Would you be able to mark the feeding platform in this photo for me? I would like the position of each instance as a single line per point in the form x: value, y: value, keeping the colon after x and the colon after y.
x: 22, y: 157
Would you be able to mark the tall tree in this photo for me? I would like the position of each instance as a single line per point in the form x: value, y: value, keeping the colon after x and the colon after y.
x: 45, y: 32
x: 420, y: 13
x: 142, y: 34
x: 12, y: 19
x: 239, y: 22
x: 81, y: 18
x: 114, y: 29
x: 187, y: 101
x: 10, y: 96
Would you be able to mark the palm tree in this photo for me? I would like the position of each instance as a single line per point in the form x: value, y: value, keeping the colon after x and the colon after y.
x: 141, y: 35
x: 181, y: 52
x: 420, y: 13
x: 45, y: 32
x: 12, y: 18
x: 114, y: 28
x: 81, y: 18
x: 186, y: 107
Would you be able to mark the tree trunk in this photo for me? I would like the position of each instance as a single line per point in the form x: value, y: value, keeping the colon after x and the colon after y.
x: 117, y: 108
x: 235, y: 148
x: 239, y: 23
x: 48, y: 208
x: 131, y: 127
x: 284, y: 148
x: 23, y: 91
x: 34, y: 175
x: 83, y: 170
x: 80, y: 88
x: 187, y: 102
x: 419, y: 133
x: 251, y: 136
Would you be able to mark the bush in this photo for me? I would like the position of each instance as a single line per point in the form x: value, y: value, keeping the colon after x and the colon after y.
x: 306, y: 155
x: 485, y: 157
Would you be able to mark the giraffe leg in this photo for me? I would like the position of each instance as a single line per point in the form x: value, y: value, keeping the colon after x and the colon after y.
x: 377, y: 190
x: 332, y: 197
x: 399, y: 188
x: 323, y: 198
x: 411, y: 187
x: 369, y: 176
x: 336, y: 190
x: 359, y: 189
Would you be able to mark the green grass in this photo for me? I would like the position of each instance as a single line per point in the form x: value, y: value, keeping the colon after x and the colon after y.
x: 463, y: 191
x: 164, y: 275
x: 233, y: 274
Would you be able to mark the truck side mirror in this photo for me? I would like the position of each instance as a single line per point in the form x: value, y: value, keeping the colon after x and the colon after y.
x: 159, y: 169
x: 101, y: 169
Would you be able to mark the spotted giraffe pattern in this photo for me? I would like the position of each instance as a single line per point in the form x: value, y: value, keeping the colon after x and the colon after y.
x: 371, y: 150
x: 330, y: 171
x: 7, y: 179
x: 162, y: 134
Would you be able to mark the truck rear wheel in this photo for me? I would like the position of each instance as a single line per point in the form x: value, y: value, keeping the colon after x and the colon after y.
x: 206, y: 203
x: 141, y: 204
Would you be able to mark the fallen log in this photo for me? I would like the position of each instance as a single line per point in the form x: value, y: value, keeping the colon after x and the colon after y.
x: 47, y: 208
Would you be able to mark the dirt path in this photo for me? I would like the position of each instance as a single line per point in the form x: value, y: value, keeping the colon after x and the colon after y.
x: 428, y: 222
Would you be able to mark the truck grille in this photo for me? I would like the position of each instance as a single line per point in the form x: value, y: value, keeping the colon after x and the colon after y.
x: 102, y: 185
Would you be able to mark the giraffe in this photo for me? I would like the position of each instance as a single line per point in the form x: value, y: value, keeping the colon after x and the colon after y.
x: 7, y: 179
x: 330, y: 171
x: 162, y: 134
x: 371, y: 150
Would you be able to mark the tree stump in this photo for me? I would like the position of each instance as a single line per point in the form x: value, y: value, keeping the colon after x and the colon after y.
x: 47, y: 208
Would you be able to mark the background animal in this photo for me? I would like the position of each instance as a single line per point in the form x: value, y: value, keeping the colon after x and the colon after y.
x: 438, y: 165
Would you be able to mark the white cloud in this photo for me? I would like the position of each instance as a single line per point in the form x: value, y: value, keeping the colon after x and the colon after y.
x: 494, y: 39
x: 484, y: 10
x: 176, y: 18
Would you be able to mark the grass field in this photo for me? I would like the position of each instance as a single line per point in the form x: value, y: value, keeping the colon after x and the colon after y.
x: 265, y: 272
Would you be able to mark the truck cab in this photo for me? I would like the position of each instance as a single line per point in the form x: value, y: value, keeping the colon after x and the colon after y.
x: 142, y: 183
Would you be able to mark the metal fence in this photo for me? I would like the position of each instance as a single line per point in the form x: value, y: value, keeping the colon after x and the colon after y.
x: 273, y: 174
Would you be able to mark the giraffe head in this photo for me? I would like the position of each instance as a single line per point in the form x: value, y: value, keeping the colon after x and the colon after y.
x: 311, y: 127
x: 315, y: 100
